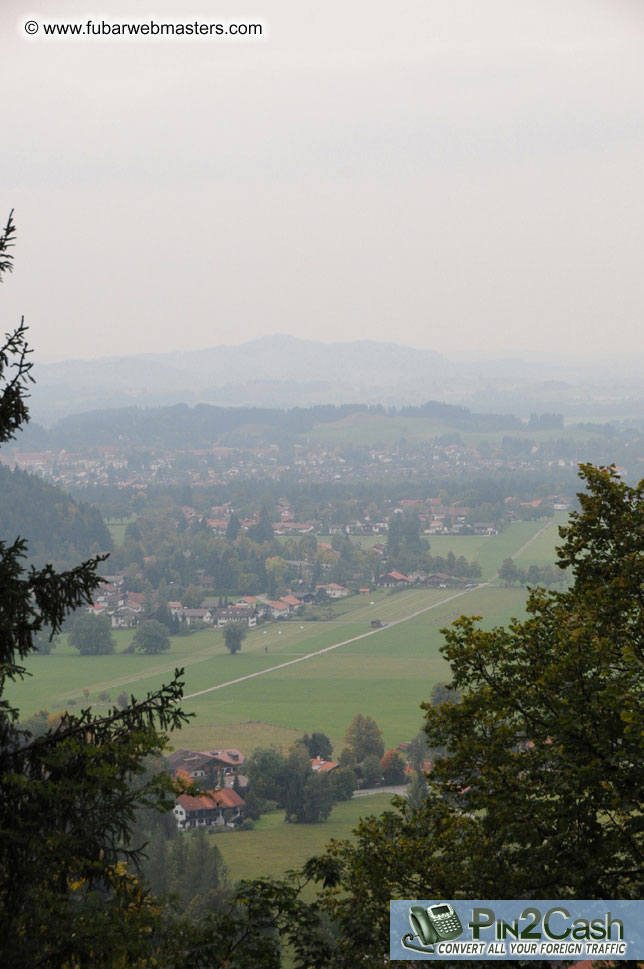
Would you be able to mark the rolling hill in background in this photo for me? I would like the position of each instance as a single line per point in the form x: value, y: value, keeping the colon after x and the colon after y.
x: 285, y: 372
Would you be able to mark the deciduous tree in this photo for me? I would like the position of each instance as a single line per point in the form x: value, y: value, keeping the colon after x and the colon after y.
x: 234, y: 635
x: 151, y: 637
x: 393, y: 768
x: 540, y: 791
x: 92, y: 635
x: 364, y: 737
x: 318, y: 745
x: 509, y: 572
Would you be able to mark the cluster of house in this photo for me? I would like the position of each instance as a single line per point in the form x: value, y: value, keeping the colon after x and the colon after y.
x: 126, y: 609
x: 221, y: 804
x: 435, y: 518
x: 432, y: 580
x: 103, y: 464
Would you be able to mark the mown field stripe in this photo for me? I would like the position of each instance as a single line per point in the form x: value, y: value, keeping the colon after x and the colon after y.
x: 355, y: 639
x: 327, y: 649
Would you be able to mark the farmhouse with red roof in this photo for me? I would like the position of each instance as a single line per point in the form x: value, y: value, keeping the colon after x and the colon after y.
x: 207, y: 809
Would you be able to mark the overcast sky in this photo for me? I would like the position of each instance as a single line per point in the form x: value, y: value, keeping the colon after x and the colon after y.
x: 453, y: 174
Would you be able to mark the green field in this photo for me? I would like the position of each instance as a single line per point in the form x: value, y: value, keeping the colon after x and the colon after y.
x: 542, y: 551
x: 273, y: 846
x: 385, y: 674
x: 370, y: 430
x: 489, y: 550
x: 117, y: 528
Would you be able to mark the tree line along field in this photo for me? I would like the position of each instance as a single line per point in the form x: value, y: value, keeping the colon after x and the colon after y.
x: 489, y: 550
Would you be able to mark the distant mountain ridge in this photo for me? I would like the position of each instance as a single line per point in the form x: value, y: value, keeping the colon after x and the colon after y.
x: 273, y: 370
x: 286, y: 372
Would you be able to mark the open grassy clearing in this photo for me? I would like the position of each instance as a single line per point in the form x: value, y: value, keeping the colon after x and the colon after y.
x: 507, y: 543
x: 542, y: 551
x: 64, y: 673
x: 468, y: 545
x: 363, y: 541
x: 385, y: 675
x: 488, y: 550
x: 374, y: 429
x: 273, y: 846
x: 117, y: 528
x: 388, y: 606
x: 370, y: 430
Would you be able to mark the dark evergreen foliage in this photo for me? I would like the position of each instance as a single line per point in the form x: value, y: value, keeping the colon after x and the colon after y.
x: 55, y: 527
x: 67, y: 804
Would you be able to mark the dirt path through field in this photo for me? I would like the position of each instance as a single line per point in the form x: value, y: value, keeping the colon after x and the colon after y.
x: 355, y: 639
x: 530, y: 541
x: 327, y: 649
x: 205, y: 652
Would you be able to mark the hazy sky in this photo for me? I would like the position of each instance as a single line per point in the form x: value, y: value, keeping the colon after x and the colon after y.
x: 454, y: 174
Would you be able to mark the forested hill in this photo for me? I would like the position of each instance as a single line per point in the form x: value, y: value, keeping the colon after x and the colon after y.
x: 181, y: 426
x: 57, y: 529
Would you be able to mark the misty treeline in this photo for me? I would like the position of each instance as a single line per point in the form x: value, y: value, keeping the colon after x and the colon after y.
x: 335, y: 502
x: 183, y: 426
x: 59, y: 529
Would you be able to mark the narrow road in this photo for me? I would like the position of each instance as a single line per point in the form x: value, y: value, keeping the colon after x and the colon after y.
x: 392, y: 789
x: 355, y: 639
x: 327, y: 649
x: 531, y: 540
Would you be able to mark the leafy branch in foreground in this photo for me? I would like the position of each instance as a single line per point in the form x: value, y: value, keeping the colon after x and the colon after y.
x: 540, y: 791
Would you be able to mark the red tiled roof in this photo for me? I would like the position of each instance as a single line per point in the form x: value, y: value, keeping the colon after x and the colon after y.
x: 230, y: 755
x: 210, y: 800
x: 425, y: 768
x: 319, y: 764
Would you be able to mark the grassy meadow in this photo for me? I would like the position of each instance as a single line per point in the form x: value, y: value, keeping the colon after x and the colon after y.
x: 117, y: 528
x: 372, y: 430
x: 273, y: 846
x: 385, y: 674
x: 490, y: 550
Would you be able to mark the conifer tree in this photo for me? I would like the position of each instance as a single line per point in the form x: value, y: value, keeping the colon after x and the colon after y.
x: 67, y: 801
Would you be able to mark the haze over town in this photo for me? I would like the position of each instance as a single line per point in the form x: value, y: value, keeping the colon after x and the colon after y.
x: 458, y: 177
